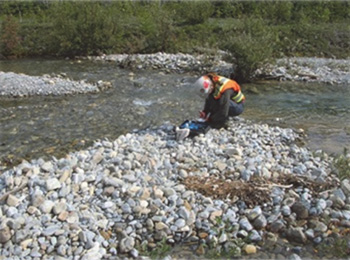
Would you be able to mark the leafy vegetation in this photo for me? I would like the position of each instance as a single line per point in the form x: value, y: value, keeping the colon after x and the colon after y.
x: 252, y: 31
x: 339, y: 248
x: 342, y: 165
x: 160, y: 251
x: 231, y: 249
x: 248, y: 55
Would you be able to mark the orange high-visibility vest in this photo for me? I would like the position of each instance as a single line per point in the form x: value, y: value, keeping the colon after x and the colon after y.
x: 222, y: 83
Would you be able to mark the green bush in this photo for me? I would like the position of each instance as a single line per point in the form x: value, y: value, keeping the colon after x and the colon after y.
x: 35, y: 39
x: 84, y: 28
x: 190, y: 12
x: 250, y: 48
x: 342, y: 165
x: 252, y: 31
x: 157, y: 27
x: 322, y: 40
x: 337, y: 248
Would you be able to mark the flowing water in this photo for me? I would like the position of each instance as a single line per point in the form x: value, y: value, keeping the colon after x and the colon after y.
x: 36, y: 127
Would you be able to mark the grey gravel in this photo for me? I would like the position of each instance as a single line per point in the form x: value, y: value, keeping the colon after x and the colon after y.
x: 20, y: 85
x: 109, y: 209
x: 330, y: 71
x: 120, y: 195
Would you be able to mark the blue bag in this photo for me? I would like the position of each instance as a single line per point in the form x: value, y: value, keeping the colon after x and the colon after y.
x: 195, y: 127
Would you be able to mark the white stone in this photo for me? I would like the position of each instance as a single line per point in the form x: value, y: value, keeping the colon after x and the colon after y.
x: 53, y: 184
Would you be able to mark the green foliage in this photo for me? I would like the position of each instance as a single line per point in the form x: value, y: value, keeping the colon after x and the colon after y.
x: 199, y: 36
x: 158, y: 30
x: 232, y: 250
x: 253, y: 31
x: 35, y: 39
x: 304, y: 39
x: 232, y: 246
x: 250, y: 49
x: 342, y: 165
x: 160, y: 251
x: 339, y: 248
x: 282, y: 11
x: 10, y: 41
x: 310, y: 12
x: 227, y: 9
x: 190, y: 12
x: 81, y: 28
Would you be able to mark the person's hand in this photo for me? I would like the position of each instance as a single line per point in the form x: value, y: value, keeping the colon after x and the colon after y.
x: 202, y: 114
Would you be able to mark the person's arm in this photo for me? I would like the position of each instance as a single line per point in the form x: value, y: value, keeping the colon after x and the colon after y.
x: 205, y: 112
x: 206, y: 105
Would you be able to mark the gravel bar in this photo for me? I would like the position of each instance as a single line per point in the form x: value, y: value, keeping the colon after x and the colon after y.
x: 120, y: 197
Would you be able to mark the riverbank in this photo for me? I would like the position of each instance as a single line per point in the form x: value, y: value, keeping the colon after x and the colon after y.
x: 289, y: 69
x: 237, y: 190
x: 332, y: 71
x: 143, y: 191
x: 20, y: 85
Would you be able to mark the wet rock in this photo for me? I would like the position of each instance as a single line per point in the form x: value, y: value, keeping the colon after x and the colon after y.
x: 5, y: 234
x: 301, y: 210
x: 260, y: 222
x: 296, y: 235
x: 105, y: 205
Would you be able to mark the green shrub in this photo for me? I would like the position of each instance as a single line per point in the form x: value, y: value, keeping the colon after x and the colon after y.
x: 36, y: 38
x: 342, y: 165
x: 191, y: 12
x: 253, y: 31
x: 339, y: 248
x: 321, y: 40
x: 84, y: 28
x: 158, y: 29
x: 250, y: 49
x: 160, y: 251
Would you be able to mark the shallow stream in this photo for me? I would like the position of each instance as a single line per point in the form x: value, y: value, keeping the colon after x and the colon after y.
x: 36, y: 127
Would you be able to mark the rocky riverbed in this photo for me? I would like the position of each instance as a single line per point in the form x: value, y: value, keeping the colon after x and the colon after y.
x: 225, y: 191
x: 248, y: 191
x: 293, y: 69
x: 20, y: 85
x: 331, y: 71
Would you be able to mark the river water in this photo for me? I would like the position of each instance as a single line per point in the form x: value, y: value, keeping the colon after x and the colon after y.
x: 36, y: 127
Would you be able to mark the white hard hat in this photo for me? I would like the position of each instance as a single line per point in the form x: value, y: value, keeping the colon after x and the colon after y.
x: 204, y: 84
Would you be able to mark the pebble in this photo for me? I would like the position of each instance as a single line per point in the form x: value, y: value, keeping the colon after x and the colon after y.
x: 153, y: 203
x: 331, y: 71
x: 20, y: 85
x: 293, y: 69
x: 108, y: 199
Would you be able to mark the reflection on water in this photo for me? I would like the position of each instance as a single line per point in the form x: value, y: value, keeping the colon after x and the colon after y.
x: 52, y: 126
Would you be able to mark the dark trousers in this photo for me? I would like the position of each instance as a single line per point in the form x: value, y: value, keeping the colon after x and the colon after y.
x: 235, y: 109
